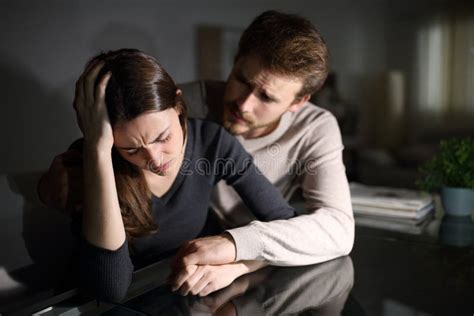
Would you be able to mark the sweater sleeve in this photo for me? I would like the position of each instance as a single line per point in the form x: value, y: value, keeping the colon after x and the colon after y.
x: 327, y: 230
x: 105, y: 274
x: 236, y: 167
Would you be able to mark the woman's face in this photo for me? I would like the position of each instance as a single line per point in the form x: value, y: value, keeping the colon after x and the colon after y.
x: 153, y: 141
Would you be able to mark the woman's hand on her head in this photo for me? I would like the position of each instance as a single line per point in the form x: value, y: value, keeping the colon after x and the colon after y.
x: 91, y: 110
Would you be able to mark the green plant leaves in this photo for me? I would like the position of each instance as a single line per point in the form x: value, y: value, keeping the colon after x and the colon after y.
x: 453, y: 166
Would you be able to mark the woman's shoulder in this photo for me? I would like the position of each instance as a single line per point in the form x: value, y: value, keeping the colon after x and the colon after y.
x: 204, y: 130
x: 204, y: 125
x: 208, y: 134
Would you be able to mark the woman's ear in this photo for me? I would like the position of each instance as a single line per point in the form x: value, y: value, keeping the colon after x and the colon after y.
x: 179, y: 108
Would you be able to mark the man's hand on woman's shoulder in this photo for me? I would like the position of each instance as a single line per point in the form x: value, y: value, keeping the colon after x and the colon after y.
x: 61, y: 186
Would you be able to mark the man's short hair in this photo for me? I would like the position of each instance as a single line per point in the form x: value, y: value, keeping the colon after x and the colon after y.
x: 288, y: 45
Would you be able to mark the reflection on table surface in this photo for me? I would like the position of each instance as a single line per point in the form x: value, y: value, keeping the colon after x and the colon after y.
x: 427, y: 274
x: 442, y: 230
x: 395, y: 274
x: 321, y: 289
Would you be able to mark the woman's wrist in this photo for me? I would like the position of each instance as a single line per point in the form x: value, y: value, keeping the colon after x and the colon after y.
x: 240, y: 268
x: 96, y: 148
x: 249, y: 266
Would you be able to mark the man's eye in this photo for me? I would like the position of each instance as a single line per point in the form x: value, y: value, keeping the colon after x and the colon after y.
x: 265, y: 97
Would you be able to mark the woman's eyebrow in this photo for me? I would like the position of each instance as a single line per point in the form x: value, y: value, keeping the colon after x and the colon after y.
x: 159, y: 136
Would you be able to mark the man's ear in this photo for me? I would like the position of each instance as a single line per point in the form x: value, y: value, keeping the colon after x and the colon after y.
x: 298, y: 104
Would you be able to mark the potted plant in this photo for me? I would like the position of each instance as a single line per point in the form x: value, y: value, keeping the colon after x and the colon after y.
x: 451, y: 172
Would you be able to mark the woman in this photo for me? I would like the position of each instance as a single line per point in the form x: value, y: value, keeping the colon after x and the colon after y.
x: 149, y: 171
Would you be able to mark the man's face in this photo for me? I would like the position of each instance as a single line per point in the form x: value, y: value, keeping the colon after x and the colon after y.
x: 256, y: 98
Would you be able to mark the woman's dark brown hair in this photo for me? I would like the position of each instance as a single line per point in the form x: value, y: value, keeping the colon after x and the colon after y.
x: 138, y: 84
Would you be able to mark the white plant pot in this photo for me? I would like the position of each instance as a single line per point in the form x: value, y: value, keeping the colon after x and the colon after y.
x: 457, y: 201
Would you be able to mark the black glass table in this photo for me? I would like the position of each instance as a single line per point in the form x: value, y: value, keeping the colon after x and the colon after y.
x: 426, y: 274
x: 387, y: 273
x: 270, y: 291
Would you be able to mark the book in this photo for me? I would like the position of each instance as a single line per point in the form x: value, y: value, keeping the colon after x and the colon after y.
x: 393, y: 213
x: 405, y: 226
x: 389, y: 198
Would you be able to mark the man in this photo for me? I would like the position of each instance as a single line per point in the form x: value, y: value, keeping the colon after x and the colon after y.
x: 282, y: 60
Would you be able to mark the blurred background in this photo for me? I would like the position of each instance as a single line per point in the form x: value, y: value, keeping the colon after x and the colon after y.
x: 402, y: 78
x: 400, y: 69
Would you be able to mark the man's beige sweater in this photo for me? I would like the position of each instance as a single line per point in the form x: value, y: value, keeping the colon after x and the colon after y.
x: 304, y: 151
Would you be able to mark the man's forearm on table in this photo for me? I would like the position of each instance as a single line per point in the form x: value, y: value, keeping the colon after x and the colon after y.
x: 302, y: 240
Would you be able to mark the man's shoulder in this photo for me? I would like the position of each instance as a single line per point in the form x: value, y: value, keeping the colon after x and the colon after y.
x: 312, y: 118
x: 203, y: 98
x: 194, y: 97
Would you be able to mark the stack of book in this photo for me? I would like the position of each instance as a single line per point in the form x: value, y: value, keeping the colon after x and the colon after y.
x: 394, y: 209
